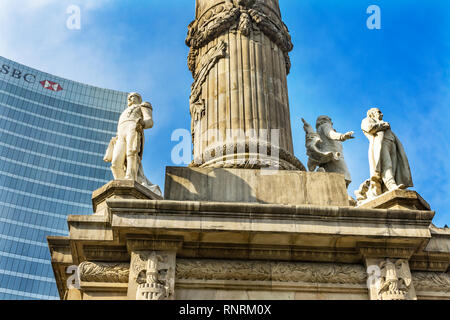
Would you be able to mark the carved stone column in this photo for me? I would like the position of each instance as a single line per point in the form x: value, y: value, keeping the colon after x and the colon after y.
x: 239, y: 60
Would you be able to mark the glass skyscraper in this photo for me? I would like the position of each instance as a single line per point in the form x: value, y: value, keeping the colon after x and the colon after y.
x: 53, y: 134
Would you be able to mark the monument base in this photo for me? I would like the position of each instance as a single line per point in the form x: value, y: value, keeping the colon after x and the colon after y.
x: 234, y: 250
x: 255, y: 186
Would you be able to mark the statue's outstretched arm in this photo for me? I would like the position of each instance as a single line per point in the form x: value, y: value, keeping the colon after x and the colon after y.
x: 333, y: 135
x: 147, y: 112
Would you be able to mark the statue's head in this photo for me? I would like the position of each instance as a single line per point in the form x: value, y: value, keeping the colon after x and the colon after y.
x: 134, y: 98
x: 323, y: 119
x: 375, y: 114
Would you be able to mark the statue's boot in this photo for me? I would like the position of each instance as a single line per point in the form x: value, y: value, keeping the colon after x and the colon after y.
x: 118, y: 173
x: 389, y: 181
x: 132, y: 168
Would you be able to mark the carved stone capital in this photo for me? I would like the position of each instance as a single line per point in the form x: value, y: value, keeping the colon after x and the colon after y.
x: 152, y: 275
x: 390, y: 279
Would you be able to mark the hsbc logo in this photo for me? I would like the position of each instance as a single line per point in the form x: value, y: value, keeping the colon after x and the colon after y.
x: 50, y: 85
x: 29, y: 78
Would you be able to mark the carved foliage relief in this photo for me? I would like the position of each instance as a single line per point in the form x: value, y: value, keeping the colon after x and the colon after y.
x: 104, y: 272
x: 262, y: 271
x: 271, y: 271
x: 432, y: 281
x: 240, y: 15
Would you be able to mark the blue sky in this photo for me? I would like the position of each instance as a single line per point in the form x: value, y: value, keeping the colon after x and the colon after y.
x: 340, y: 68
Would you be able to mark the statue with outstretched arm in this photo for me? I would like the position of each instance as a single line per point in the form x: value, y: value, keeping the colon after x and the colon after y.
x: 324, y: 147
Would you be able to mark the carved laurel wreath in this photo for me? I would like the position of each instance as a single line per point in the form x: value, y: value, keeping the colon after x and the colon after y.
x: 241, y: 15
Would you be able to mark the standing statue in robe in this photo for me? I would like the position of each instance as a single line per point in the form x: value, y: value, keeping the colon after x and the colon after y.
x: 126, y: 149
x: 389, y: 166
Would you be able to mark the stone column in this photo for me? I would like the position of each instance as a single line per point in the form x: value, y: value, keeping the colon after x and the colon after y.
x: 239, y: 60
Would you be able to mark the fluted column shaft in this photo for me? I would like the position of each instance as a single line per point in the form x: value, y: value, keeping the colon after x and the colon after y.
x: 239, y: 60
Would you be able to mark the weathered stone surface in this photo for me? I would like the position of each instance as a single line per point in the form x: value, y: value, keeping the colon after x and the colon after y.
x: 397, y: 199
x: 255, y: 186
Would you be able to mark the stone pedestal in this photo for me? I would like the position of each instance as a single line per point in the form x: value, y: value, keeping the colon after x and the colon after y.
x: 397, y: 199
x: 255, y: 186
x: 120, y: 189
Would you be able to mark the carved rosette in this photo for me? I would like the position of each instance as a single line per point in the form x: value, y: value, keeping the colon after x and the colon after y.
x: 239, y: 59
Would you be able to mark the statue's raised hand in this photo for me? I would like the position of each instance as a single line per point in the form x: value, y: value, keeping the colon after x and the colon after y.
x: 348, y: 136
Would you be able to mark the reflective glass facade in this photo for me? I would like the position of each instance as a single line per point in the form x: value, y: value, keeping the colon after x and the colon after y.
x: 53, y: 134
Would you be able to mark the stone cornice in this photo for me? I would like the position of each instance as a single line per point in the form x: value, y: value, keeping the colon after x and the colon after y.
x: 381, y: 250
x: 256, y: 211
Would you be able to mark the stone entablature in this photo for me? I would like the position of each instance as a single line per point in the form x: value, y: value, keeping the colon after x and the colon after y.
x: 273, y: 251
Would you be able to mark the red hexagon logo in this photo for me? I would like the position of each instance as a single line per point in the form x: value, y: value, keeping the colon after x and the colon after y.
x: 50, y: 85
